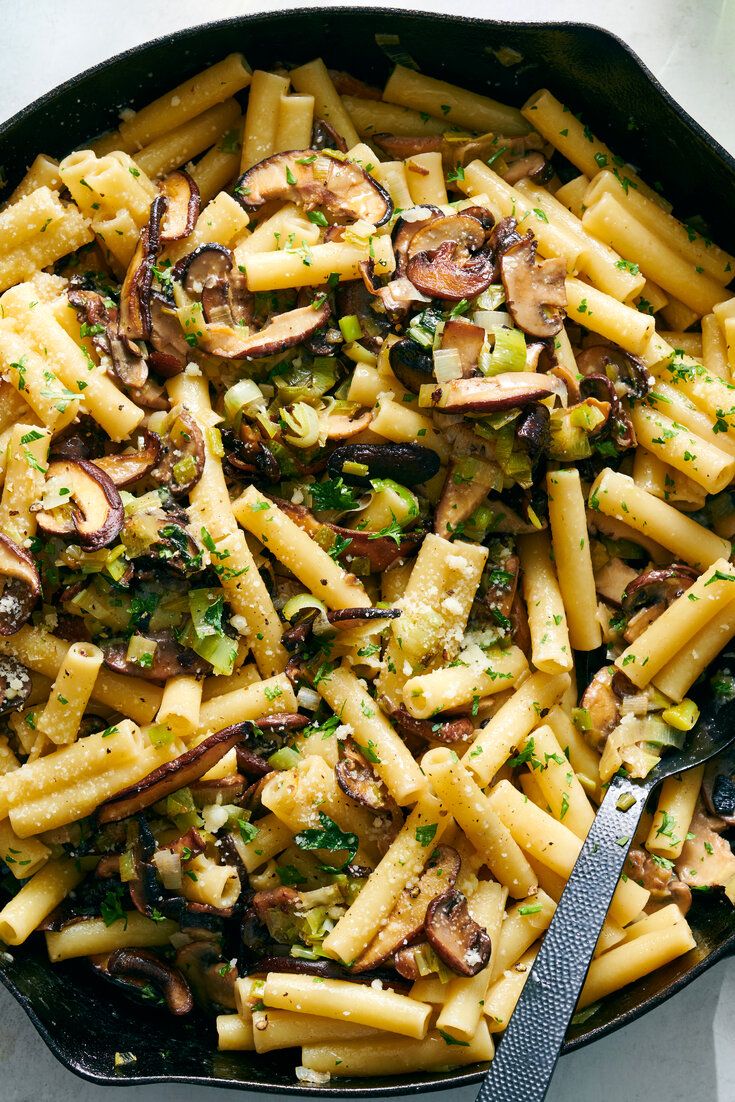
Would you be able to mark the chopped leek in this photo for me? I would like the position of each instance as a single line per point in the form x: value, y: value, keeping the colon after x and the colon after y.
x: 301, y: 602
x: 242, y: 394
x: 350, y: 327
x: 508, y: 354
x: 285, y: 758
x: 681, y: 716
x: 303, y: 422
x: 447, y: 364
x: 492, y: 298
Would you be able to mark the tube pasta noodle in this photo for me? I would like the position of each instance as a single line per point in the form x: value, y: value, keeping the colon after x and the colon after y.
x: 304, y: 691
x: 609, y: 221
x: 70, y: 693
x: 552, y: 650
x: 37, y: 899
x: 518, y: 716
x: 572, y: 557
x: 184, y: 142
x: 261, y: 118
x: 293, y: 547
x: 676, y: 803
x: 339, y: 999
x: 406, y: 856
x: 688, y: 614
x: 474, y: 815
x: 304, y: 266
x: 132, y: 930
x: 349, y: 700
x: 556, y: 847
x: 616, y: 495
x: 313, y: 79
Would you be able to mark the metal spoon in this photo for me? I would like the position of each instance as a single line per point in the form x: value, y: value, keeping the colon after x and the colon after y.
x: 527, y: 1055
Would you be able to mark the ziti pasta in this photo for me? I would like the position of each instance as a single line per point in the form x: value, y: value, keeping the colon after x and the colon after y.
x: 342, y: 430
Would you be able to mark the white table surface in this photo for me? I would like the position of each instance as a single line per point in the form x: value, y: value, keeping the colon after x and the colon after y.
x: 682, y: 1052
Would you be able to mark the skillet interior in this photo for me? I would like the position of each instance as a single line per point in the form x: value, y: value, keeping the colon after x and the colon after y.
x: 83, y: 1022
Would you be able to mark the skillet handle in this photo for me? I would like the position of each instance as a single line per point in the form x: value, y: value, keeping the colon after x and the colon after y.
x: 529, y: 1050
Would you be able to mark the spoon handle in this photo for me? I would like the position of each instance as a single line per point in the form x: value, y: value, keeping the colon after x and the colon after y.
x: 529, y: 1050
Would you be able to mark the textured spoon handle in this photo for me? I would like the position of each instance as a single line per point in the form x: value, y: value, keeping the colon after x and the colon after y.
x: 527, y: 1055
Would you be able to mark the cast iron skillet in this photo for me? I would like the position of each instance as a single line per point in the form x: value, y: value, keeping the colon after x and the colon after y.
x: 83, y: 1021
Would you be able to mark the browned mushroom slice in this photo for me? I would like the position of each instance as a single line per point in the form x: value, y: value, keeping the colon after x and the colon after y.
x: 401, y: 146
x: 651, y: 593
x: 324, y: 136
x: 183, y: 459
x: 463, y: 231
x: 170, y: 349
x: 492, y: 607
x: 446, y: 731
x: 100, y: 316
x: 467, y: 340
x: 411, y: 364
x: 453, y: 934
x: 127, y: 467
x: 358, y: 780
x: 603, y: 708
x: 467, y: 484
x: 207, y: 264
x: 617, y: 365
x: 171, y: 776
x: 134, y: 320
x: 338, y: 188
x: 406, y: 920
x: 508, y: 390
x: 706, y: 861
x: 246, y: 451
x: 451, y: 273
x: 94, y: 514
x: 166, y: 979
x: 342, y: 426
x: 211, y: 979
x: 15, y: 681
x: 617, y: 425
x: 410, y: 222
x: 411, y: 464
x: 169, y: 659
x: 380, y: 552
x: 533, y: 165
x: 533, y: 429
x: 282, y: 332
x: 349, y: 85
x: 535, y: 291
x: 20, y: 586
x: 183, y: 207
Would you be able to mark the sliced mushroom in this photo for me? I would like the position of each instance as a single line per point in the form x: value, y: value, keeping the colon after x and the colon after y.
x: 411, y: 463
x: 171, y: 776
x: 184, y: 202
x: 169, y: 659
x: 247, y: 452
x: 617, y: 365
x: 467, y: 340
x: 533, y: 429
x: 411, y: 364
x: 134, y: 322
x: 343, y: 426
x: 460, y: 267
x: 492, y: 606
x: 509, y: 390
x: 658, y: 879
x: 355, y: 297
x: 618, y: 425
x: 532, y: 165
x: 407, y: 918
x: 407, y: 225
x: 170, y: 353
x: 379, y: 552
x: 337, y: 187
x: 251, y: 764
x: 182, y: 464
x: 535, y: 291
x: 100, y: 315
x: 718, y: 787
x: 20, y: 586
x: 284, y: 331
x: 211, y: 979
x: 467, y: 484
x: 660, y: 586
x: 207, y: 265
x: 94, y: 514
x: 603, y: 708
x: 446, y: 731
x: 352, y: 617
x: 358, y: 780
x: 128, y: 467
x: 706, y: 861
x: 161, y: 535
x: 145, y: 964
x: 15, y: 680
x: 453, y: 934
